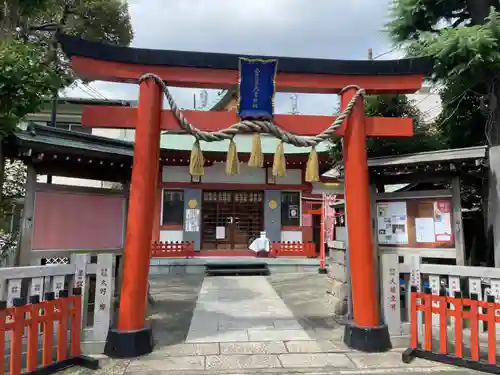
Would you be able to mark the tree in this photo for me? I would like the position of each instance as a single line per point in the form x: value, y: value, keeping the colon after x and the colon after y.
x: 425, y: 137
x: 462, y: 38
x: 32, y: 67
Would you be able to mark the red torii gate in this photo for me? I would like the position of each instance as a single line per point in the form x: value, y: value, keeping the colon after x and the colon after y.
x: 97, y: 61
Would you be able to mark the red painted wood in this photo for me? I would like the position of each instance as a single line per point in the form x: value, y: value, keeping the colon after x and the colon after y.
x: 125, y: 118
x: 357, y: 191
x: 228, y: 79
x: 141, y: 207
x: 293, y: 249
x: 169, y: 249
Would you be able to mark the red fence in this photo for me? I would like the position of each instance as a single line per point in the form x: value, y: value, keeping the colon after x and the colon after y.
x: 293, y: 249
x: 38, y: 317
x: 172, y: 250
x: 459, y: 308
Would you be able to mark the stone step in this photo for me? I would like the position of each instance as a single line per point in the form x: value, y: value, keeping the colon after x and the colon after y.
x: 237, y: 269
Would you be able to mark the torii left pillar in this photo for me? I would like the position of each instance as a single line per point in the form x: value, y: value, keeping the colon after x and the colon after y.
x: 133, y: 337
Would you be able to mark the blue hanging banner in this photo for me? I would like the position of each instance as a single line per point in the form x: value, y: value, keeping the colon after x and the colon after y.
x: 257, y: 88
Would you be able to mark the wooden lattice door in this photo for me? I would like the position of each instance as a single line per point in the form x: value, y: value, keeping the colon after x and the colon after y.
x: 231, y: 219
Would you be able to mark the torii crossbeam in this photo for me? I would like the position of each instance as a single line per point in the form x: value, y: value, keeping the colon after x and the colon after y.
x: 97, y: 61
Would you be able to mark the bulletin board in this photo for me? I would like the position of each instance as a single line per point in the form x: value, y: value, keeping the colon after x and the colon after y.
x: 416, y: 223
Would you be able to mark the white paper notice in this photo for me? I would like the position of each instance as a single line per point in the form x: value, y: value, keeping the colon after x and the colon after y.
x: 392, y: 223
x: 220, y: 233
x: 425, y: 229
x: 192, y: 223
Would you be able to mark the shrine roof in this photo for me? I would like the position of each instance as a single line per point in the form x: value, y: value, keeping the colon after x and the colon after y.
x: 74, y: 46
x: 42, y: 136
x: 470, y: 159
x: 53, y: 138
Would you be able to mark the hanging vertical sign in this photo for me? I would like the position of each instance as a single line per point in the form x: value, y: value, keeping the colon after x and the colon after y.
x: 257, y: 88
x: 329, y: 215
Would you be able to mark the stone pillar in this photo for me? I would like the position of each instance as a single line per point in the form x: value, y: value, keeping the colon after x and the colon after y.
x: 337, y: 272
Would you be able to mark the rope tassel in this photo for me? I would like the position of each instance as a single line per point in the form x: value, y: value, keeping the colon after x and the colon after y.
x: 232, y: 162
x: 256, y: 156
x: 196, y: 161
x: 279, y: 163
x: 312, y: 168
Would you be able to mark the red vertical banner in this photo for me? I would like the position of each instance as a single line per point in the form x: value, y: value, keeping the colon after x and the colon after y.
x: 329, y: 215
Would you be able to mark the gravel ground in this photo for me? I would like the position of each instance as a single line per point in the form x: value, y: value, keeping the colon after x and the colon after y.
x: 306, y: 296
x: 175, y: 299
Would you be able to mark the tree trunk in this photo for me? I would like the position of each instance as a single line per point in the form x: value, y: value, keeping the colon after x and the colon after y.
x: 492, y: 226
x: 479, y: 11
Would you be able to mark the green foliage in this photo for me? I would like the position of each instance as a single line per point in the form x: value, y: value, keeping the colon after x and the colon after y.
x: 462, y: 38
x: 412, y: 17
x: 102, y: 20
x: 424, y: 139
x: 30, y: 71
x: 15, y: 179
x: 25, y: 81
x: 462, y: 121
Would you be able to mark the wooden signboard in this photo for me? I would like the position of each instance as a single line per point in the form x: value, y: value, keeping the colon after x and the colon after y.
x: 418, y: 223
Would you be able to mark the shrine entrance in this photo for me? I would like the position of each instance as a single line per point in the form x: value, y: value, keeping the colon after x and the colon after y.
x: 231, y: 219
x: 258, y: 80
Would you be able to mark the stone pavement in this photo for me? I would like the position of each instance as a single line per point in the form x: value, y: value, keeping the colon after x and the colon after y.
x: 241, y: 309
x: 281, y: 324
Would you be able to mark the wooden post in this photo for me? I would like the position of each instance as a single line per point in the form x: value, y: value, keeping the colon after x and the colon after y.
x: 365, y: 332
x: 132, y: 337
x: 23, y: 254
x: 322, y: 212
x: 457, y: 218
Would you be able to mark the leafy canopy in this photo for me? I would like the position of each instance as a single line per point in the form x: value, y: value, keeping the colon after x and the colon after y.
x: 25, y: 81
x: 31, y: 69
x: 462, y: 37
x: 424, y: 139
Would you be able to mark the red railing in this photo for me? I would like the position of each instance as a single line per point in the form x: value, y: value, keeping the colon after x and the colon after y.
x: 293, y: 249
x: 38, y: 317
x: 172, y: 249
x: 458, y: 308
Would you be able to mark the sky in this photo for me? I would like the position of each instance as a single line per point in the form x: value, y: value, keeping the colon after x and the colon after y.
x: 336, y: 29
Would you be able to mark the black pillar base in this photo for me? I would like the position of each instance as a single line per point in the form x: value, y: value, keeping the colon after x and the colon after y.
x: 367, y: 339
x: 322, y: 271
x: 129, y: 344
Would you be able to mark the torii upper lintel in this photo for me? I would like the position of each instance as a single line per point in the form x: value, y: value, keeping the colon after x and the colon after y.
x: 106, y: 62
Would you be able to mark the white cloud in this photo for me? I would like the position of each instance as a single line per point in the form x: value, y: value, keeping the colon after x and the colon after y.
x: 316, y: 29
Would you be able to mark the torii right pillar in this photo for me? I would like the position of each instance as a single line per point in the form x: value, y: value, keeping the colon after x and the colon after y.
x: 365, y: 332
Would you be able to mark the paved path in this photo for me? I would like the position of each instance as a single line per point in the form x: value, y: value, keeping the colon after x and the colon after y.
x: 250, y: 325
x: 241, y: 309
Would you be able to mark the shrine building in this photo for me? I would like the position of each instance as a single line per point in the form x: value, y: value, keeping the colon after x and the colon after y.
x: 220, y: 213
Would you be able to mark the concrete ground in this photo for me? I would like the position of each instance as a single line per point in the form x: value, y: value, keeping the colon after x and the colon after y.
x: 281, y: 324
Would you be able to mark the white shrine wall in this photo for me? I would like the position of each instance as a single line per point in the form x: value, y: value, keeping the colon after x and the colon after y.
x: 216, y: 174
x: 171, y: 235
x: 291, y: 236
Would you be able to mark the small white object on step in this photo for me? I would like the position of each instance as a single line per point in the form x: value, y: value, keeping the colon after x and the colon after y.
x: 261, y: 244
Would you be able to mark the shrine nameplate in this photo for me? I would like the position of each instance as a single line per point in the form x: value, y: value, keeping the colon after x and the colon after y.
x: 257, y: 88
